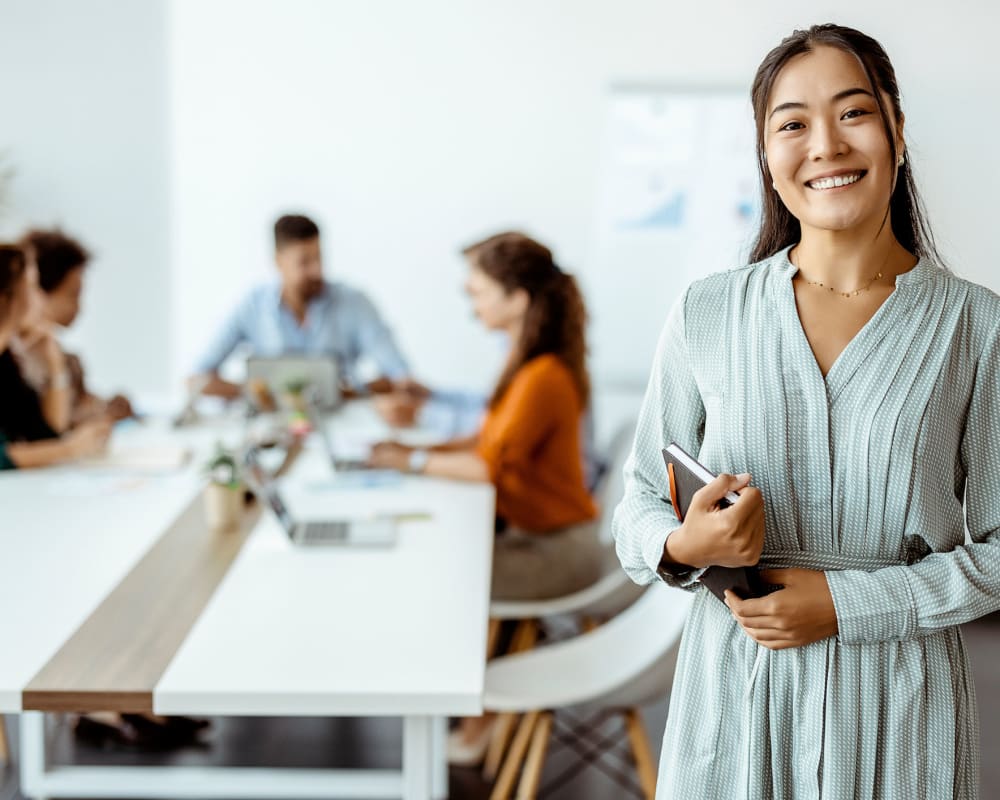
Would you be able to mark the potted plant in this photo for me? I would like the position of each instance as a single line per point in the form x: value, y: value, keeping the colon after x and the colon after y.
x: 293, y: 395
x: 224, y: 492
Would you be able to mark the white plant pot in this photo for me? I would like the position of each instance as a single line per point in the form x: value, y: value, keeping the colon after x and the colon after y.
x: 223, y: 506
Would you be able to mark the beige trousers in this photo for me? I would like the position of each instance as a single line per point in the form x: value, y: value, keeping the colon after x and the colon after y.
x: 539, y: 566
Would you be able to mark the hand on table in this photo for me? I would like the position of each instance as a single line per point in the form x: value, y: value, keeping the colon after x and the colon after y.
x: 390, y: 455
x: 398, y: 408
x: 800, y: 613
x: 89, y: 438
x: 119, y: 408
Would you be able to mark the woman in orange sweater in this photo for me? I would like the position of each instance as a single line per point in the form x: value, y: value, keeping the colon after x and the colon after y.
x: 529, y: 445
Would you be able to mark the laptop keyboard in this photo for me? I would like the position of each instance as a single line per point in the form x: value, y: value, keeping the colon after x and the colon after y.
x: 325, y: 532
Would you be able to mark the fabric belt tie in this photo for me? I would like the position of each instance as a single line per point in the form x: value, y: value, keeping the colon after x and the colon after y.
x: 780, y: 559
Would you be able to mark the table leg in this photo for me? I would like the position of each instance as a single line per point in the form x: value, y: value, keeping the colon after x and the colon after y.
x: 32, y: 754
x: 418, y: 754
x: 439, y: 755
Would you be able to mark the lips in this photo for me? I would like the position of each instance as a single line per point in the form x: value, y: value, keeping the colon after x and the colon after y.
x: 836, y: 181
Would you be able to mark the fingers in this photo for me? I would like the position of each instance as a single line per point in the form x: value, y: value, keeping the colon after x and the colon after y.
x: 761, y: 624
x: 412, y: 387
x: 98, y: 428
x: 774, y: 640
x: 711, y: 493
x: 754, y: 608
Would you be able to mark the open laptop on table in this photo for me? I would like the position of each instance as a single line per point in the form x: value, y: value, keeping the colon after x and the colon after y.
x: 318, y: 375
x: 338, y: 463
x: 373, y: 532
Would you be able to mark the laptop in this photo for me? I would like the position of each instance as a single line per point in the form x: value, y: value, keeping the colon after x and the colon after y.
x: 373, y: 532
x: 338, y: 463
x: 316, y: 374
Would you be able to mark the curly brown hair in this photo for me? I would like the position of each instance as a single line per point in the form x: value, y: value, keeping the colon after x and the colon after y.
x: 12, y: 266
x: 556, y: 318
x: 56, y: 254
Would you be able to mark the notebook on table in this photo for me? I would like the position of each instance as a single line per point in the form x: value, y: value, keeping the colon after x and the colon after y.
x: 686, y: 476
x: 145, y: 459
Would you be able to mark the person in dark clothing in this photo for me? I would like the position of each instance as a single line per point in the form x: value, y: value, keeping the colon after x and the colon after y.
x: 26, y: 438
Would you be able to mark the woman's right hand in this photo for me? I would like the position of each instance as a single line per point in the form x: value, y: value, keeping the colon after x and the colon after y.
x: 88, y: 439
x: 725, y: 537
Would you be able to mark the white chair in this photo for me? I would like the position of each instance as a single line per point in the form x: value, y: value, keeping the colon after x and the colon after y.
x: 604, y: 598
x: 624, y: 663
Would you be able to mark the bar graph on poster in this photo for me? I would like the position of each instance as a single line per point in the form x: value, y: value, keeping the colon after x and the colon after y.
x: 678, y: 200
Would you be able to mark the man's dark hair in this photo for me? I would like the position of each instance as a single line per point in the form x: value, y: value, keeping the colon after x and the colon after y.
x: 57, y: 255
x: 293, y: 228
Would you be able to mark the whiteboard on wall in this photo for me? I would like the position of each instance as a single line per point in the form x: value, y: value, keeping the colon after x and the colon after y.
x: 678, y: 200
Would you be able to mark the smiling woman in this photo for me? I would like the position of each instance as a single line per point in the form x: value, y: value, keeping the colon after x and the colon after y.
x: 855, y: 380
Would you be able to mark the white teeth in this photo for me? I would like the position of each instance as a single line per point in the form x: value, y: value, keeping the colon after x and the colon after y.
x: 839, y: 180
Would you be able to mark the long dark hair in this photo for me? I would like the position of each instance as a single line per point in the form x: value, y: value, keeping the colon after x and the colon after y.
x: 778, y: 228
x: 556, y: 316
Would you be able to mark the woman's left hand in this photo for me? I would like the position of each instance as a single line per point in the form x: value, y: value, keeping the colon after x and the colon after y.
x: 390, y: 455
x: 800, y: 613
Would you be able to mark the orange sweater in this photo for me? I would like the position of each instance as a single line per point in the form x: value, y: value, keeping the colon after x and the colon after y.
x: 531, y: 443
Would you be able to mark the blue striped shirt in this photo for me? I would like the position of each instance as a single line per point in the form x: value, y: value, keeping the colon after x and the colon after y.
x: 340, y: 322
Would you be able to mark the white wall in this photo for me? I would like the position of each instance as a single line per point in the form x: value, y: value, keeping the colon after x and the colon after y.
x: 409, y: 129
x: 84, y: 123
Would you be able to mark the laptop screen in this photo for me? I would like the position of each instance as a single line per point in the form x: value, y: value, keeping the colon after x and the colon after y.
x: 317, y: 423
x: 273, y: 499
x: 264, y: 486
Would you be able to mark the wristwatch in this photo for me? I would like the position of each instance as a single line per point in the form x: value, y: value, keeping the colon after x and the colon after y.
x: 418, y: 460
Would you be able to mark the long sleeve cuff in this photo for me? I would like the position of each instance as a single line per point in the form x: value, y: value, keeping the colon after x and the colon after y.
x: 873, y: 606
x: 680, y: 577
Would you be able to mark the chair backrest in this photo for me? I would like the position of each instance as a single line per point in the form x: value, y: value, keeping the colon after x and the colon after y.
x: 611, y: 487
x: 627, y: 661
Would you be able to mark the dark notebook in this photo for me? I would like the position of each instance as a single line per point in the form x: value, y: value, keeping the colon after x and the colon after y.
x: 687, y: 476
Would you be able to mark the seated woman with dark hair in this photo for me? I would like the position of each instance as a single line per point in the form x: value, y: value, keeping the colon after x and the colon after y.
x: 27, y: 437
x: 529, y: 446
x: 62, y: 262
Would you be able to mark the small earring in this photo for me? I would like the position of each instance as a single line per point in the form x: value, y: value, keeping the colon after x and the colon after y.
x: 901, y: 160
x: 774, y: 186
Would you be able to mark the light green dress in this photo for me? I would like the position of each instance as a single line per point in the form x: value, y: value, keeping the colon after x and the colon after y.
x: 863, y: 474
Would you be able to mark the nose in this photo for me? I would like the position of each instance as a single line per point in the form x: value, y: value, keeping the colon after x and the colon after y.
x: 825, y: 141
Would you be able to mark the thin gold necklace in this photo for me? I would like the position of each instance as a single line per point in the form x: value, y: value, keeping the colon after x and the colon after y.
x: 856, y: 292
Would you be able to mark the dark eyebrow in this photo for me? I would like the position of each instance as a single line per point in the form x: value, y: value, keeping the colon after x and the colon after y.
x: 838, y: 96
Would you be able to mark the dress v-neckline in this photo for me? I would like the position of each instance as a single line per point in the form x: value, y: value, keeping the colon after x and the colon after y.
x: 857, y: 350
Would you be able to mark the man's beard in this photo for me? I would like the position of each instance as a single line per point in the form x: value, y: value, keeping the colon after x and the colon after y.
x: 312, y: 289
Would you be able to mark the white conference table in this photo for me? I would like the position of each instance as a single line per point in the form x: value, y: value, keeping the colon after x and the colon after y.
x: 287, y: 631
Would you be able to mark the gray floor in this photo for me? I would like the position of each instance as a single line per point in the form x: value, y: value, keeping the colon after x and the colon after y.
x: 376, y: 743
x: 349, y: 743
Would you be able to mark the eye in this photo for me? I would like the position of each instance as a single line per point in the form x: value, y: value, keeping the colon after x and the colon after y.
x: 854, y: 113
x: 791, y: 126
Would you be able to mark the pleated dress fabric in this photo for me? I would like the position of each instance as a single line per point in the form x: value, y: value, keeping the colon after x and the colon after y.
x: 866, y: 474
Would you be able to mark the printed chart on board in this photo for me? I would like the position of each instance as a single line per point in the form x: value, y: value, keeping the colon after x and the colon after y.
x: 678, y: 200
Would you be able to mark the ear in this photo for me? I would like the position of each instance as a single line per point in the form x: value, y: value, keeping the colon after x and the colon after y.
x: 900, y: 141
x: 521, y: 299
